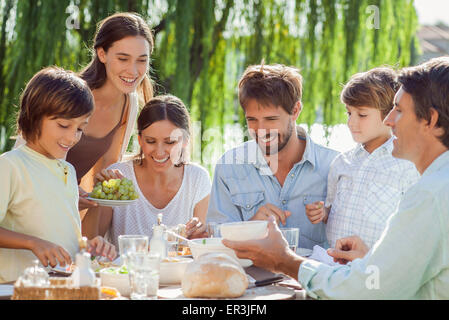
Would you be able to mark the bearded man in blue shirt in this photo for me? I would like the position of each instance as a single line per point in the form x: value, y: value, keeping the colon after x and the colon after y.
x: 410, y: 260
x: 279, y: 171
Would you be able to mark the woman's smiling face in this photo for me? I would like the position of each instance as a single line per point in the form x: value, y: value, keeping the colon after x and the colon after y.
x: 162, y: 144
x: 126, y: 62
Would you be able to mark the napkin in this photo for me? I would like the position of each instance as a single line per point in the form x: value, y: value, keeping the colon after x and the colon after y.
x: 320, y: 254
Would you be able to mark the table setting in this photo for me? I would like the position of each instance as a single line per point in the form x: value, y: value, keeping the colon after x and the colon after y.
x: 147, y: 270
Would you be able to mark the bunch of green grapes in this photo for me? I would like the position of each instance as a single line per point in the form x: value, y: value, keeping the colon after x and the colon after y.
x: 115, y: 189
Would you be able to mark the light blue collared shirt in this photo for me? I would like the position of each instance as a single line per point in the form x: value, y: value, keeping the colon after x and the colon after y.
x: 409, y: 261
x: 243, y: 182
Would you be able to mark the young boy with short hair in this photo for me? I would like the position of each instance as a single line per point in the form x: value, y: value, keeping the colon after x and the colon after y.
x: 39, y: 193
x: 366, y: 183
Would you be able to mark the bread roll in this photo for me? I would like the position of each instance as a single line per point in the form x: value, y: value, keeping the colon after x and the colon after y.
x: 214, y: 275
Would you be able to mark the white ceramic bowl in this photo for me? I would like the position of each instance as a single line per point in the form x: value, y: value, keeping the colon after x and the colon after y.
x: 173, y: 271
x: 205, y: 245
x: 120, y: 281
x: 244, y: 230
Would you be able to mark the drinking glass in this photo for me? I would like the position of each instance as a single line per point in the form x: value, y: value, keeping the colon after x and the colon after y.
x: 292, y: 237
x: 213, y: 230
x: 143, y: 268
x: 131, y: 243
x: 35, y: 276
x: 173, y: 241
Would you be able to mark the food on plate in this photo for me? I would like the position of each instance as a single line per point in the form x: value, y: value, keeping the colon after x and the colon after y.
x: 214, y: 275
x: 98, y: 265
x: 108, y: 293
x: 185, y: 251
x: 115, y: 189
x: 116, y: 270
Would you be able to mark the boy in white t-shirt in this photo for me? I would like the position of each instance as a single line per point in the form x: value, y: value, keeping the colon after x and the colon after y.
x: 38, y: 191
x: 366, y: 183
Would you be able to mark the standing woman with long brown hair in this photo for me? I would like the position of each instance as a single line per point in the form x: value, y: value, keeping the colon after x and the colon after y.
x: 118, y: 78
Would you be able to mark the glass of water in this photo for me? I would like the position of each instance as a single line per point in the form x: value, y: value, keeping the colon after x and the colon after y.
x: 131, y: 243
x: 173, y: 242
x: 213, y: 230
x: 292, y: 237
x: 143, y: 268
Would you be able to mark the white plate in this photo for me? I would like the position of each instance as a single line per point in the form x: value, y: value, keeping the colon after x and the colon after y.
x: 112, y: 203
x: 257, y: 293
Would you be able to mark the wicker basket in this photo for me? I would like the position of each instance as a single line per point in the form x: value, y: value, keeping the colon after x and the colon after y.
x: 59, y: 289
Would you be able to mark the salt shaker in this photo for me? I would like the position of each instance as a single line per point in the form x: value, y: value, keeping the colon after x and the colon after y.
x: 83, y: 275
x: 158, y: 243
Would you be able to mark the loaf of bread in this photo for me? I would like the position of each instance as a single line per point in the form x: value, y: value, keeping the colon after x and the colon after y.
x: 214, y: 275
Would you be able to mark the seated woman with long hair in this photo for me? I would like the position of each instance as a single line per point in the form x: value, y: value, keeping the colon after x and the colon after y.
x: 163, y: 178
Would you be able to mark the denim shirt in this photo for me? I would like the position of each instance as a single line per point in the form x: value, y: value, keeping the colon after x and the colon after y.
x: 243, y: 182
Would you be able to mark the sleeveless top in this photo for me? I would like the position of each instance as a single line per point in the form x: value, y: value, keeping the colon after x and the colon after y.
x: 88, y: 150
x: 139, y: 217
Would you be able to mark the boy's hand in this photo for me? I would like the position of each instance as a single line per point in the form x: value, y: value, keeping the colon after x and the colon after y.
x: 100, y: 247
x: 316, y: 212
x: 49, y: 253
x: 83, y: 203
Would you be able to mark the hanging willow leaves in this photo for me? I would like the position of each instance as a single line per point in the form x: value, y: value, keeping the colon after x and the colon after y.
x: 203, y: 46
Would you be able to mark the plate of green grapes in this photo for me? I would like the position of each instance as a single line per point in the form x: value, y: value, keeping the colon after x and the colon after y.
x: 114, y: 193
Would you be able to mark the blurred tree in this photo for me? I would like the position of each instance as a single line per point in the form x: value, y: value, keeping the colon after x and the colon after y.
x: 203, y: 46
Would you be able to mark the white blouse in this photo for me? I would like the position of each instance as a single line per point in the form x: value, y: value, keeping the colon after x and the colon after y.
x: 139, y: 217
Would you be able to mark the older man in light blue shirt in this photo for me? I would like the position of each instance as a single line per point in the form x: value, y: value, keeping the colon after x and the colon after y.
x: 411, y: 259
x: 282, y: 169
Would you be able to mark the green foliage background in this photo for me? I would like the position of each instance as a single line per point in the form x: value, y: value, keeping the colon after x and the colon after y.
x: 203, y: 46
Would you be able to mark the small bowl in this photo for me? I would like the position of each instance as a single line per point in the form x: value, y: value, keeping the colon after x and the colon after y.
x: 120, y: 281
x: 171, y: 272
x: 244, y: 230
x: 205, y: 245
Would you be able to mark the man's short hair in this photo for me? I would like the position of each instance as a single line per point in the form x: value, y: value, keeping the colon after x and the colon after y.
x: 428, y: 84
x: 52, y: 92
x: 375, y: 88
x: 276, y: 84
